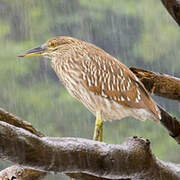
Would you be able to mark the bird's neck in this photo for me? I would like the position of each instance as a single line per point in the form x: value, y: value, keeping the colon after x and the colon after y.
x: 65, y: 63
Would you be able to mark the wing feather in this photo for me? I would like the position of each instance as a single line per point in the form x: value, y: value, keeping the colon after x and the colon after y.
x: 107, y: 77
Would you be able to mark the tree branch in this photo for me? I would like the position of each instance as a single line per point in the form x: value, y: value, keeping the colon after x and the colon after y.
x: 132, y: 159
x: 18, y: 122
x: 165, y: 86
x: 171, y: 124
x: 173, y: 7
x: 160, y: 84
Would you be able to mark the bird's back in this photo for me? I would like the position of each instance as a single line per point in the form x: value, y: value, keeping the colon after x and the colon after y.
x: 99, y: 80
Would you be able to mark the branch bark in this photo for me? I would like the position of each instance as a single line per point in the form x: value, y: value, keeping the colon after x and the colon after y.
x: 173, y: 7
x: 160, y: 84
x: 18, y: 122
x: 132, y: 159
x: 165, y: 86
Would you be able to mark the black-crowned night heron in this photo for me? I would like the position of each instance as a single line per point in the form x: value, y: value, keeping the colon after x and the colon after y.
x: 102, y: 83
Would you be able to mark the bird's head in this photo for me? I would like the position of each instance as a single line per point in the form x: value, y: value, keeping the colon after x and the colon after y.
x: 50, y: 48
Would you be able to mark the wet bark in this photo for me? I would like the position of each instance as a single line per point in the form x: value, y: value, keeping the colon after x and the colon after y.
x: 132, y: 159
x: 78, y: 158
x: 171, y: 124
x: 18, y: 122
x: 173, y: 7
x: 165, y: 86
x: 160, y: 84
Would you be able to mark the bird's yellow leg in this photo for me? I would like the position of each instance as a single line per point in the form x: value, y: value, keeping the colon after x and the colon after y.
x: 98, y: 130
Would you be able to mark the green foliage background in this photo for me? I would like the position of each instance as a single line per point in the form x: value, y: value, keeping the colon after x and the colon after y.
x: 140, y: 33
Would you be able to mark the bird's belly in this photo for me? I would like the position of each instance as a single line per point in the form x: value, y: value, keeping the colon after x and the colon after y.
x: 109, y: 109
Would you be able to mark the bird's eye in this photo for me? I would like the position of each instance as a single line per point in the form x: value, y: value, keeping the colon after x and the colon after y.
x: 52, y: 44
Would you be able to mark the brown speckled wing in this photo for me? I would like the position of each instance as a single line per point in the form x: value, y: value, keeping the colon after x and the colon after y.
x: 106, y: 76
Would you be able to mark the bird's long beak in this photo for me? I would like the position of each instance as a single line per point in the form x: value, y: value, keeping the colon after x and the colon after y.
x: 38, y: 51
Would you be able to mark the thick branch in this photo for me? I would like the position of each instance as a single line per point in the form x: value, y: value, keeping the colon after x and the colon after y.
x: 17, y: 171
x: 171, y: 124
x: 132, y: 159
x: 160, y: 84
x: 173, y: 7
x: 18, y: 122
x: 165, y: 86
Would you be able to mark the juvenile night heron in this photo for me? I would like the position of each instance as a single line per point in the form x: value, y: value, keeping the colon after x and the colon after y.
x: 102, y: 83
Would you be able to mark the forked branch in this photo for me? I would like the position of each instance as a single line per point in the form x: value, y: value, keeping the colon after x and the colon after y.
x: 84, y: 158
x: 165, y: 86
